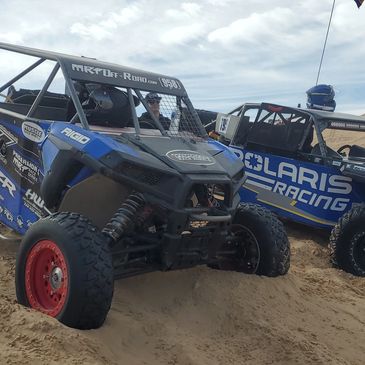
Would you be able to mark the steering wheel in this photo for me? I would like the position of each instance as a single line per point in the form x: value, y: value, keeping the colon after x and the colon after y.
x: 147, y: 124
x: 344, y: 147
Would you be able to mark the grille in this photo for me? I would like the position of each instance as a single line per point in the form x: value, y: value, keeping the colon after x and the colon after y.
x: 141, y: 174
x: 206, y: 196
x: 198, y: 224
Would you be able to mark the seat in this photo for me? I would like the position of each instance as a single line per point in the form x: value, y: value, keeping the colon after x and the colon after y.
x: 53, y: 106
x: 330, y: 152
x: 104, y: 106
x: 357, y: 151
x: 27, y: 97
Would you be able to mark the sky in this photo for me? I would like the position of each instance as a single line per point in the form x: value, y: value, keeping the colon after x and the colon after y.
x: 225, y: 52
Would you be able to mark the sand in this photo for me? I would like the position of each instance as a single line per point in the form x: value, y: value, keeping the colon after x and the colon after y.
x: 313, y: 315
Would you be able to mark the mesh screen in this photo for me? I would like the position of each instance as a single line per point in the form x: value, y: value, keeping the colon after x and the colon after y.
x: 173, y: 113
x: 110, y: 106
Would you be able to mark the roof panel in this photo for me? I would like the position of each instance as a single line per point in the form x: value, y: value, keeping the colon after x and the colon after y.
x: 92, y: 70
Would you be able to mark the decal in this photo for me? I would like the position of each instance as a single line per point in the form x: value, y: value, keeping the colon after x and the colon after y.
x: 94, y: 70
x: 76, y: 136
x: 99, y: 71
x: 35, y: 203
x: 19, y: 221
x: 7, y: 137
x: 358, y: 168
x: 33, y: 132
x: 8, y: 215
x: 169, y: 83
x: 191, y: 157
x: 224, y: 123
x: 322, y: 190
x: 25, y: 168
x: 346, y: 125
x: 136, y: 78
x: 7, y: 183
x: 3, y: 158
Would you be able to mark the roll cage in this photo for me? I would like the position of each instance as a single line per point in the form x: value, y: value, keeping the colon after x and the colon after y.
x: 111, y: 76
x: 290, y: 130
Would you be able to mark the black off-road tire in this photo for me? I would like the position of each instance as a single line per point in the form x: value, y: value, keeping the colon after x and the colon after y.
x: 347, y: 242
x: 271, y: 240
x: 81, y: 250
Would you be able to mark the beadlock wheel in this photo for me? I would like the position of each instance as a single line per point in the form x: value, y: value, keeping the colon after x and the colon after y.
x: 359, y: 249
x: 347, y: 242
x: 247, y: 249
x: 259, y: 243
x: 64, y: 269
x: 46, y: 278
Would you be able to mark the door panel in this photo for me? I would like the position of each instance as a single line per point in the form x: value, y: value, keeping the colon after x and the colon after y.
x: 21, y: 172
x: 301, y: 191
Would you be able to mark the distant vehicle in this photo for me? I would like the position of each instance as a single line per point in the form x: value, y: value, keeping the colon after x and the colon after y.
x: 292, y: 171
x: 100, y: 194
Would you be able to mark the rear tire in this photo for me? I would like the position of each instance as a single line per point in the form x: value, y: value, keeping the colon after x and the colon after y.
x: 262, y: 246
x: 64, y: 269
x: 347, y: 242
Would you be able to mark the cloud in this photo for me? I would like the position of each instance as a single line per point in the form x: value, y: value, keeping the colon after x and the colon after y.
x: 191, y: 8
x: 92, y: 31
x: 225, y: 52
x: 184, y: 12
x: 255, y: 28
x: 11, y: 37
x: 183, y: 34
x: 106, y: 27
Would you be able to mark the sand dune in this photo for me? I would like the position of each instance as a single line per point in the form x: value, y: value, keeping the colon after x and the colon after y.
x: 315, y: 314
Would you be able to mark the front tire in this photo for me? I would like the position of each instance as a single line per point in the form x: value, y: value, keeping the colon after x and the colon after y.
x: 260, y: 243
x: 347, y: 242
x: 64, y: 269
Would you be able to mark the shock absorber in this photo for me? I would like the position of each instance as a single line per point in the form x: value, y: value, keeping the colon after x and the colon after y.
x: 123, y: 220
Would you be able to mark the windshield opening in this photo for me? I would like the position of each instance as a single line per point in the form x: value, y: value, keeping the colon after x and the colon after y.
x: 276, y: 128
x: 109, y: 106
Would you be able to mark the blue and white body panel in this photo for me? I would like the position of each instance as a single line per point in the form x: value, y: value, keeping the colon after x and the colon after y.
x: 305, y: 192
x: 33, y: 149
x: 27, y: 155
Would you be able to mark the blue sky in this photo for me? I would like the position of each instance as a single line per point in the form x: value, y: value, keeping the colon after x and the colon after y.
x: 226, y: 52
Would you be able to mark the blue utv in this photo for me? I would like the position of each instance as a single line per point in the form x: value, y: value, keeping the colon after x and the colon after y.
x: 107, y: 172
x: 294, y: 172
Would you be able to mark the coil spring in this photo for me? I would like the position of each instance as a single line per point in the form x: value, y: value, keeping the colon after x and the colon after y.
x: 124, y: 218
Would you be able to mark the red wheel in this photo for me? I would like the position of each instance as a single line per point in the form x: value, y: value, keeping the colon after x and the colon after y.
x: 64, y: 268
x: 46, y: 278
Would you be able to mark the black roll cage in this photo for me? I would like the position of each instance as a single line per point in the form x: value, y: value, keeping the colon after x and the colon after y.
x: 90, y: 70
x: 319, y: 120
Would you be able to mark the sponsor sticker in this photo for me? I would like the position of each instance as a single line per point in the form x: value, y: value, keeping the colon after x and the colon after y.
x: 76, y: 136
x: 8, y: 137
x: 7, y: 184
x: 359, y: 168
x: 35, y: 203
x: 224, y: 123
x: 33, y: 132
x: 8, y: 215
x: 25, y: 168
x: 190, y: 157
x: 105, y: 72
x: 19, y: 220
x: 317, y: 189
